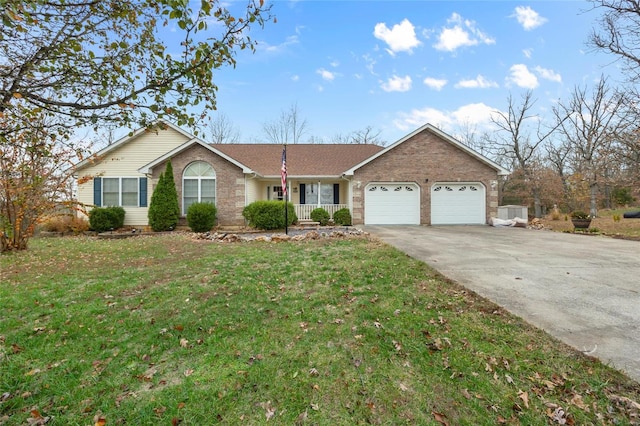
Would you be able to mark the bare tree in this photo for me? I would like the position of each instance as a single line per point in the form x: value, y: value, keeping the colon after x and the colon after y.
x: 519, y: 136
x: 221, y: 130
x: 591, y: 123
x: 619, y: 33
x: 468, y: 134
x: 288, y: 128
x: 368, y: 135
x: 557, y: 155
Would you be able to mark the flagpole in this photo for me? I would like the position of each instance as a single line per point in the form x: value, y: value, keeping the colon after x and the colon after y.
x: 284, y: 189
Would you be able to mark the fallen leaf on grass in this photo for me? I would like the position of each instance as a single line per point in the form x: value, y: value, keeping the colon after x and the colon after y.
x: 578, y: 402
x: 184, y: 342
x: 188, y: 372
x: 440, y: 418
x: 270, y: 411
x: 524, y: 396
x: 37, y: 418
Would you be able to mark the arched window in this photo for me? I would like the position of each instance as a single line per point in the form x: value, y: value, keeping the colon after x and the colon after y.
x: 198, y: 184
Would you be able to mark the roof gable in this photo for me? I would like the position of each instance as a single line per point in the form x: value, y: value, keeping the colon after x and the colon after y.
x: 442, y: 135
x: 160, y: 125
x: 148, y: 167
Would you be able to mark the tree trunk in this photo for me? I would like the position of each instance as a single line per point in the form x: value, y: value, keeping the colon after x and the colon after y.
x: 593, y: 208
x: 537, y: 204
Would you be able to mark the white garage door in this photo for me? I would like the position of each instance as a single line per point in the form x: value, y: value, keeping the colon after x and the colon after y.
x: 392, y: 204
x: 458, y: 204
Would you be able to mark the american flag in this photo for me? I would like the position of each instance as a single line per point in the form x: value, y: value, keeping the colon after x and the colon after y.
x: 283, y: 172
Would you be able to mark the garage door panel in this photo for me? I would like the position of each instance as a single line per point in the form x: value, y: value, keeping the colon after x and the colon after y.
x: 392, y: 204
x: 458, y: 204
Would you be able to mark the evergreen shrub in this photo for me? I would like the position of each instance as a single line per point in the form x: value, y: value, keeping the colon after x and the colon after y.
x: 342, y: 217
x: 103, y: 219
x: 201, y: 216
x: 164, y: 209
x: 320, y: 215
x: 269, y: 215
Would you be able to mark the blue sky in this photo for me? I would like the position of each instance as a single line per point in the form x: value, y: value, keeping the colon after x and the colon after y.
x: 396, y: 65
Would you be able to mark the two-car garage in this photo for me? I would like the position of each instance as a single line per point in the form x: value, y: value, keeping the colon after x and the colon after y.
x: 399, y: 203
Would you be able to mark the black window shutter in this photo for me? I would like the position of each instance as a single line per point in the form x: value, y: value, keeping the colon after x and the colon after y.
x: 336, y: 193
x: 302, y: 194
x: 97, y: 191
x: 143, y: 192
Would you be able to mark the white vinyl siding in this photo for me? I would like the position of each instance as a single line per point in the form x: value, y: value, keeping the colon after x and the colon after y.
x: 125, y: 161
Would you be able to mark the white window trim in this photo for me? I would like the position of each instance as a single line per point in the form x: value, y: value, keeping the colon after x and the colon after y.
x: 200, y: 179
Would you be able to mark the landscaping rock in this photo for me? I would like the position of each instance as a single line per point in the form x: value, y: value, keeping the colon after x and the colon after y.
x: 295, y: 235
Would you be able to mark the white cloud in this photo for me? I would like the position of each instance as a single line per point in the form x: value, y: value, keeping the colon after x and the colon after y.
x: 477, y: 114
x: 397, y: 84
x: 326, y: 75
x: 435, y: 83
x: 548, y: 74
x: 522, y: 77
x: 527, y: 53
x: 461, y: 32
x: 477, y: 83
x: 335, y: 64
x: 295, y: 77
x: 277, y: 48
x: 400, y: 38
x: 528, y: 18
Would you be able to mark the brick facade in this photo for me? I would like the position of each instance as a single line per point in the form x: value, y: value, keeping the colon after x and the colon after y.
x: 424, y: 159
x: 230, y: 182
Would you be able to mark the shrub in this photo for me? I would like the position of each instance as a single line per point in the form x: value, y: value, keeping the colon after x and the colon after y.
x: 201, y: 217
x: 342, y: 217
x: 103, y: 219
x: 320, y: 215
x: 269, y: 214
x: 164, y: 209
x: 65, y: 223
x: 118, y: 213
x: 622, y: 196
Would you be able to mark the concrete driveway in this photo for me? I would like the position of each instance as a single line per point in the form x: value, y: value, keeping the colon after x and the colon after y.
x: 582, y: 289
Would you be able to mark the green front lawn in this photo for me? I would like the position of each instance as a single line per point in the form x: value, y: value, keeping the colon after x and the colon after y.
x: 170, y: 330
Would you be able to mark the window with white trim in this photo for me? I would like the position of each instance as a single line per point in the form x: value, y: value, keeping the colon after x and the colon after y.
x: 198, y: 184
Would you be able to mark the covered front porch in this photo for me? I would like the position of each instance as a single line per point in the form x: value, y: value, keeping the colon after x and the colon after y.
x: 308, y: 194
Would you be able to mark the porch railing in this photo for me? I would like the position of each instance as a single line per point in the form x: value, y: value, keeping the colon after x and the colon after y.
x: 303, y: 211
